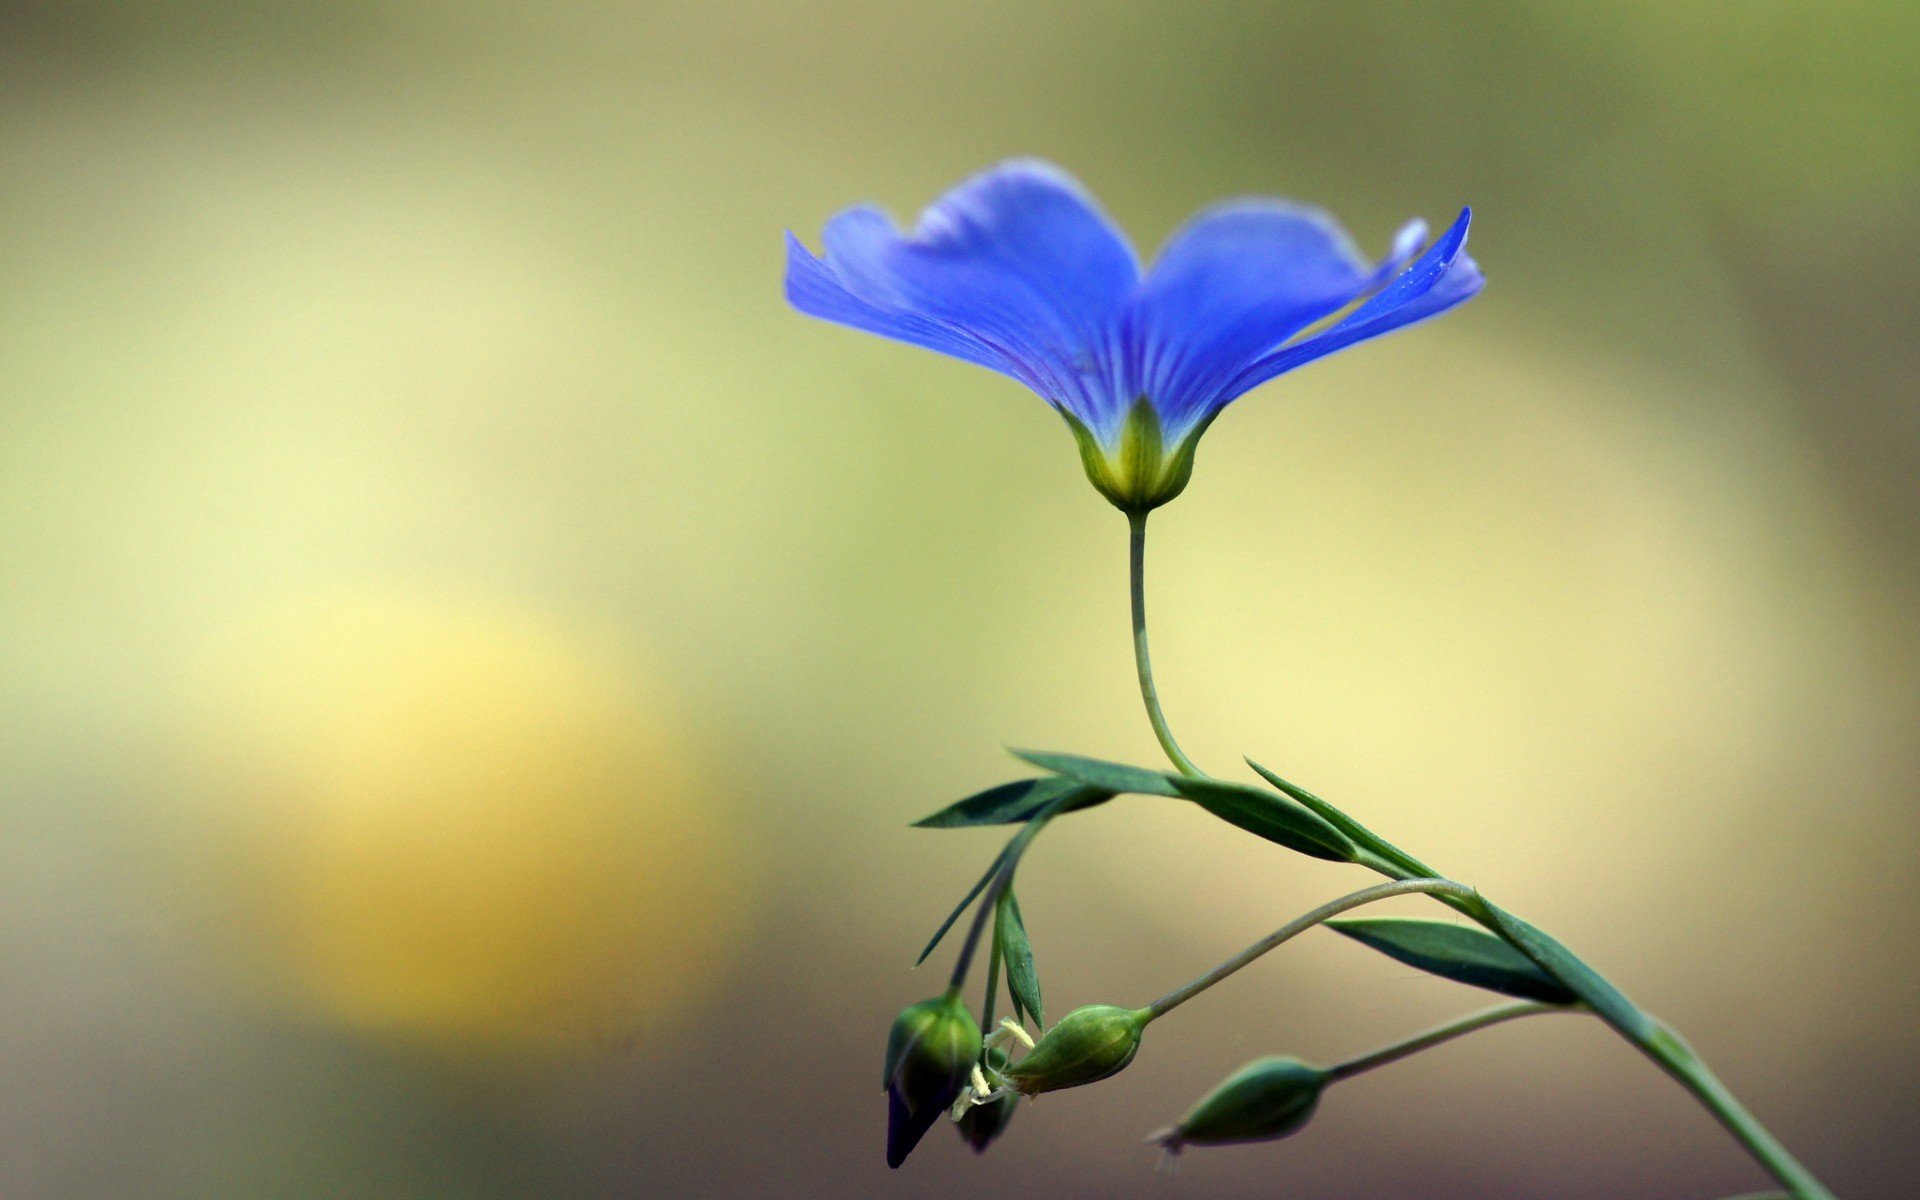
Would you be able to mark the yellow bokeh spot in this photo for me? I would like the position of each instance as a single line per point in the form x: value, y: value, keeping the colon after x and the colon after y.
x: 462, y: 824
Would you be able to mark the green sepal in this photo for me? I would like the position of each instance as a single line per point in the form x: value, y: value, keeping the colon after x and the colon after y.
x: 942, y: 1016
x: 1141, y: 473
x: 1578, y: 978
x: 1362, y: 837
x: 1266, y: 815
x: 1141, y: 457
x: 1268, y: 1099
x: 1462, y: 953
x: 1012, y: 803
x: 1088, y: 1045
x: 1023, y: 982
x: 1098, y: 773
x: 931, y: 1048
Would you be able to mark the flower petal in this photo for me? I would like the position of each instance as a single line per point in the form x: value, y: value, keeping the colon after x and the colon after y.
x: 1442, y: 277
x: 1406, y: 244
x: 816, y: 289
x: 1022, y: 260
x: 1230, y: 285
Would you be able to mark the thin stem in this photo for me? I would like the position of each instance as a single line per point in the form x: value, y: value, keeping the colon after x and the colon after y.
x: 1439, y: 1034
x: 993, y: 979
x: 1002, y: 879
x: 1137, y: 555
x: 1679, y: 1061
x: 1298, y: 926
x: 989, y: 902
x: 1665, y: 1048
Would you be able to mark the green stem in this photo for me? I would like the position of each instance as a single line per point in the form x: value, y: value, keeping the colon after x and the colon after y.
x: 1660, y: 1044
x: 993, y: 981
x: 1441, y: 1033
x: 1001, y: 880
x: 1678, y: 1059
x: 1143, y: 664
x: 1298, y: 926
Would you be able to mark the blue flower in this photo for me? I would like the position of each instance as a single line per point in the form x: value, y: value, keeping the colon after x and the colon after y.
x: 1018, y: 270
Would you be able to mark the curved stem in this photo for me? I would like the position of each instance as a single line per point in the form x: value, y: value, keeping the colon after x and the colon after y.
x: 1661, y: 1045
x: 1298, y: 926
x: 1679, y: 1061
x: 1143, y: 664
x: 1439, y: 1034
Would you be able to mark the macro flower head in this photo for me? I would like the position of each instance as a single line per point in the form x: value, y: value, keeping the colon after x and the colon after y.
x: 1018, y: 270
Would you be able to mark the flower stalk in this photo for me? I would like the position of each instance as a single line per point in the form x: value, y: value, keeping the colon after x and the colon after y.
x: 1442, y: 1033
x: 1653, y: 1039
x: 1142, y: 660
x: 1302, y: 923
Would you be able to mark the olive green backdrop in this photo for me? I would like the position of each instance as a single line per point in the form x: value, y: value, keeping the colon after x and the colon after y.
x: 471, y: 652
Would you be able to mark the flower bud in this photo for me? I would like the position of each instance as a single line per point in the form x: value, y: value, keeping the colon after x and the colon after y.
x: 930, y: 1053
x: 982, y: 1123
x: 1086, y: 1046
x: 1267, y: 1099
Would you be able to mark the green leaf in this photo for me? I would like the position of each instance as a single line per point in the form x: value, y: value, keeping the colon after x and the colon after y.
x: 1097, y: 773
x: 1355, y: 832
x: 1269, y: 816
x: 1023, y: 983
x: 1461, y: 953
x: 1583, y: 981
x: 961, y: 907
x: 1012, y: 803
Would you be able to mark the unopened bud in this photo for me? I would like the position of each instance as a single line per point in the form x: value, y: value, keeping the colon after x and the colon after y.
x: 931, y: 1051
x: 1087, y: 1045
x: 1267, y: 1099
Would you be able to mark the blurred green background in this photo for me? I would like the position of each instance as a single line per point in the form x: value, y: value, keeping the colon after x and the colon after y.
x: 472, y: 653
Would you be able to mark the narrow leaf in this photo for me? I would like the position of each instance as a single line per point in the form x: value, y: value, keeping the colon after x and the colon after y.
x: 1012, y: 803
x: 1023, y: 982
x: 961, y: 907
x: 1461, y: 953
x: 993, y: 974
x: 1097, y: 773
x: 1269, y: 816
x: 1583, y: 981
x: 1355, y: 832
x: 1000, y: 920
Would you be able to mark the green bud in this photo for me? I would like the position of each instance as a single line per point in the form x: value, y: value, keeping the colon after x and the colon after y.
x: 1267, y: 1099
x: 931, y: 1051
x: 982, y: 1123
x: 1140, y: 472
x: 1086, y: 1046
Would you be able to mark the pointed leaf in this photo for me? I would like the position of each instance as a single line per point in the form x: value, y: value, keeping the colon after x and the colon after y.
x: 1012, y: 803
x: 1023, y: 982
x: 994, y: 958
x: 1355, y: 832
x: 1098, y: 773
x: 1269, y: 816
x: 1580, y: 979
x: 961, y: 907
x: 1461, y: 953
